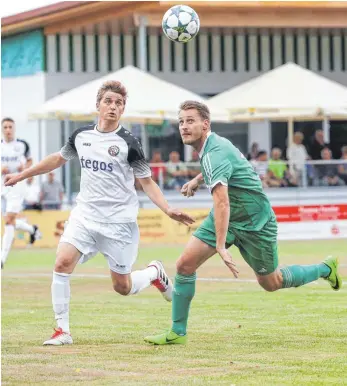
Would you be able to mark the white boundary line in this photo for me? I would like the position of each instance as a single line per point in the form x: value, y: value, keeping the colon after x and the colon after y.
x: 102, y: 276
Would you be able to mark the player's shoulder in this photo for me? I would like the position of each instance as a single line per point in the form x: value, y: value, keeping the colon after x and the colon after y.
x: 82, y: 129
x: 21, y: 142
x: 218, y: 144
x: 128, y: 137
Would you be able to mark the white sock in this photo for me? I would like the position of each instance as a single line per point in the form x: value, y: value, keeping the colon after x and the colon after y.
x: 24, y: 226
x: 142, y: 279
x: 61, y: 299
x: 7, y: 242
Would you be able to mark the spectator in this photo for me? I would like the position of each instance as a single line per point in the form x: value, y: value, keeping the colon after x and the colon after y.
x: 327, y: 174
x: 157, y: 170
x: 278, y: 174
x: 194, y: 170
x: 52, y: 193
x: 177, y: 171
x: 260, y: 165
x: 297, y: 155
x: 254, y: 151
x: 317, y: 145
x: 342, y: 168
x: 32, y: 195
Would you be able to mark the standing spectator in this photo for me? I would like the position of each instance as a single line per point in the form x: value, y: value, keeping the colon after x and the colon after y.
x: 157, y: 170
x: 52, y: 193
x: 32, y: 195
x: 327, y: 174
x: 317, y: 145
x: 177, y: 171
x: 297, y: 155
x: 254, y: 151
x: 342, y: 168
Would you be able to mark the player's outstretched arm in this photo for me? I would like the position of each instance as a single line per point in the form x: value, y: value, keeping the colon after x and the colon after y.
x: 157, y: 197
x: 51, y: 162
x: 221, y: 218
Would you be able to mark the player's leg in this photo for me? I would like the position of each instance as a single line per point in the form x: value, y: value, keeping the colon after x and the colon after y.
x: 299, y: 275
x: 33, y: 230
x: 194, y: 255
x: 199, y: 249
x: 8, y: 236
x: 119, y: 244
x: 259, y: 249
x: 75, y: 242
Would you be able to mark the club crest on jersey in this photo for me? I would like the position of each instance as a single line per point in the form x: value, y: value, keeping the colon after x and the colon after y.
x: 113, y: 150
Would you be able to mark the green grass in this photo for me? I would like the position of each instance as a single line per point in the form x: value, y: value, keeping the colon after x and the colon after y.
x: 290, y: 337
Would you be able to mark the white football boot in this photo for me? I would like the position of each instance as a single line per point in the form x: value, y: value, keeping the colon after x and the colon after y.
x: 162, y: 282
x: 59, y: 338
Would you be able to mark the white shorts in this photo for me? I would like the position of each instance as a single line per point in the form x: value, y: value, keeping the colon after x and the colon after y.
x: 117, y: 242
x: 12, y: 198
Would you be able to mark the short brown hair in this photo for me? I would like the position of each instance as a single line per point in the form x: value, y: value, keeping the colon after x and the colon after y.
x: 201, y: 108
x: 7, y: 119
x: 114, y: 86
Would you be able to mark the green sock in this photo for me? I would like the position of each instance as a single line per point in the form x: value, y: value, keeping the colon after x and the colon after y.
x: 183, y: 294
x: 297, y: 275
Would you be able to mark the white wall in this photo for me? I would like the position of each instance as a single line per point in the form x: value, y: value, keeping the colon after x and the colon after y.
x: 20, y: 96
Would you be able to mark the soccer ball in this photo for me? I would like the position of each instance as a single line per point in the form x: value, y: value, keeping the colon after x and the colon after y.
x: 181, y: 23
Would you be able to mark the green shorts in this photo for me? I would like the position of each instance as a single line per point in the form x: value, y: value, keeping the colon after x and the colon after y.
x: 258, y: 248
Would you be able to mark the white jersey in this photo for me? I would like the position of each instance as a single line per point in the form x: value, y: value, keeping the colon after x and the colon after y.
x: 14, y: 154
x: 109, y: 164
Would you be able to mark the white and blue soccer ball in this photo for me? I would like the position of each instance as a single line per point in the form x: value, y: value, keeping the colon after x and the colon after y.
x: 181, y: 23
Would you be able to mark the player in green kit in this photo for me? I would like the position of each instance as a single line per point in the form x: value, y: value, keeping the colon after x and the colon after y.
x: 241, y: 215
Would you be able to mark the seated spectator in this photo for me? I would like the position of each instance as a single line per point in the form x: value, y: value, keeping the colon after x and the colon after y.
x: 342, y: 168
x: 177, y: 171
x: 52, y: 193
x: 157, y: 170
x: 32, y: 195
x: 327, y: 174
x: 317, y: 145
x: 278, y: 173
x: 260, y: 165
x: 194, y: 170
x: 253, y: 153
x: 297, y: 155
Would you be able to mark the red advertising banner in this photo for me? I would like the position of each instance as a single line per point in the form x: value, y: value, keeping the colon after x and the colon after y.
x: 310, y: 213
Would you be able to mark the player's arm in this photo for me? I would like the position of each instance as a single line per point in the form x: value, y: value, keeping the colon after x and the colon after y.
x: 189, y: 188
x: 221, y: 214
x: 51, y: 162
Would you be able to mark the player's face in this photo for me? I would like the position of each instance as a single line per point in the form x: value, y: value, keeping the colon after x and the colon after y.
x: 8, y: 130
x: 111, y: 106
x: 192, y: 126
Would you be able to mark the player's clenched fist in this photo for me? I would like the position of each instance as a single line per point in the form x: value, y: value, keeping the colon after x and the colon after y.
x: 190, y: 188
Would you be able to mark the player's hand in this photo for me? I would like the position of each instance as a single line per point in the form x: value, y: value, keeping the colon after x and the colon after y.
x: 12, y: 179
x: 189, y: 188
x: 228, y: 261
x: 5, y: 170
x: 179, y: 216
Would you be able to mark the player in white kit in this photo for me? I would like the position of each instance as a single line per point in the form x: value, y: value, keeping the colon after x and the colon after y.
x: 105, y: 217
x: 15, y: 156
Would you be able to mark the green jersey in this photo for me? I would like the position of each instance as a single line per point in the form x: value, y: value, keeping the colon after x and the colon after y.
x: 221, y: 162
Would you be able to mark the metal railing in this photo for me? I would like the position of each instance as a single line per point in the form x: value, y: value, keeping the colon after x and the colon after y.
x: 279, y: 173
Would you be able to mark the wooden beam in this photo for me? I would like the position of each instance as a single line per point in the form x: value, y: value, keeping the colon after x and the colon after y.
x: 260, y: 4
x: 265, y: 18
x: 110, y: 13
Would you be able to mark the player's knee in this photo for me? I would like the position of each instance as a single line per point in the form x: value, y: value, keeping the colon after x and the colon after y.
x: 62, y: 265
x: 269, y: 286
x: 122, y: 288
x: 10, y: 220
x: 183, y: 267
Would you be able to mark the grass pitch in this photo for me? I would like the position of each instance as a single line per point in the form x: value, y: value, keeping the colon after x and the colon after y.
x: 290, y: 337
